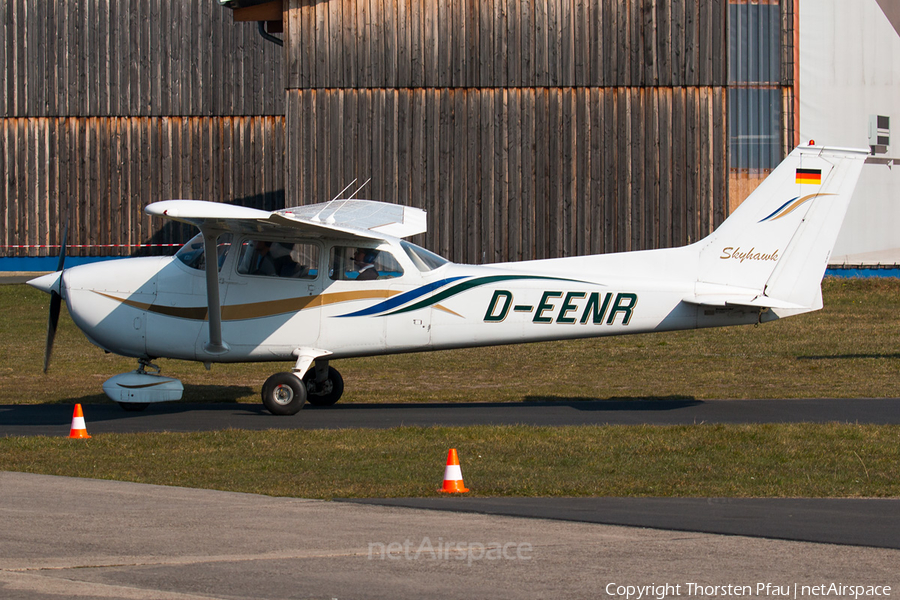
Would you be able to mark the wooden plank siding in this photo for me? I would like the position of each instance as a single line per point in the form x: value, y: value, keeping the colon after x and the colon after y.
x: 109, y: 105
x: 384, y: 44
x: 99, y: 173
x: 515, y: 174
x: 104, y: 58
x: 527, y: 128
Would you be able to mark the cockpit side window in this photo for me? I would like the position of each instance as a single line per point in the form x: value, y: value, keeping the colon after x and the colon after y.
x: 362, y: 264
x: 193, y: 254
x: 292, y: 260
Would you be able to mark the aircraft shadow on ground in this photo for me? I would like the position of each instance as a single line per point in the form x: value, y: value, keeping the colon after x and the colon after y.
x: 101, y: 408
x: 98, y: 408
x: 217, y: 393
x: 579, y: 403
x: 847, y: 356
x: 614, y: 403
x: 193, y: 394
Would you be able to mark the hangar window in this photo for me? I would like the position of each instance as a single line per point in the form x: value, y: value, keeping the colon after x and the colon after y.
x: 755, y: 123
x: 755, y: 93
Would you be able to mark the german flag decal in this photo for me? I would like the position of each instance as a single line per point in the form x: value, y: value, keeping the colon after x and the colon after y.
x: 809, y: 176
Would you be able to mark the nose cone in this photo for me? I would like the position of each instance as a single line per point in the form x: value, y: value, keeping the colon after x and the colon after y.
x: 47, y: 283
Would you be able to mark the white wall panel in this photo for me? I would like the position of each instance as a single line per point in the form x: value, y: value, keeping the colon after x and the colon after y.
x: 850, y: 69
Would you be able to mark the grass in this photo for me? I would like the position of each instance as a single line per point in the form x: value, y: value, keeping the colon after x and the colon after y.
x: 849, y: 349
x: 805, y: 460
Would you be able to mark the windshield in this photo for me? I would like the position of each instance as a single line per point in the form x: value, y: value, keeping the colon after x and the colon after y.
x: 425, y: 260
x: 192, y: 254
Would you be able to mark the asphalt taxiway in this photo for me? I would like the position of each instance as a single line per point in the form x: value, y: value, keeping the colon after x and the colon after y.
x: 66, y: 537
x: 79, y: 538
x: 55, y: 419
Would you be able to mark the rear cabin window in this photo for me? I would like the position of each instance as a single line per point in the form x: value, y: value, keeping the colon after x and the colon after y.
x: 266, y: 258
x: 363, y: 264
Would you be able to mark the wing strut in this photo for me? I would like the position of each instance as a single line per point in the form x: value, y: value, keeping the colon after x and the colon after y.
x: 213, y: 305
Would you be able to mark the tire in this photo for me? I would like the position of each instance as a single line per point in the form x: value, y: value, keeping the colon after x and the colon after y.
x: 328, y: 393
x: 284, y: 394
x: 134, y: 406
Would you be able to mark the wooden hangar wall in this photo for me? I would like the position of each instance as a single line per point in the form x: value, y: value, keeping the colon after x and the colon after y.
x: 108, y: 105
x: 526, y: 129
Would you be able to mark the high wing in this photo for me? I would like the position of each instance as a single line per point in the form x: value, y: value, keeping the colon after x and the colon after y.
x: 364, y: 219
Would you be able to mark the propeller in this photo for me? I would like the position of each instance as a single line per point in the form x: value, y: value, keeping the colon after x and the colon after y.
x: 55, y: 301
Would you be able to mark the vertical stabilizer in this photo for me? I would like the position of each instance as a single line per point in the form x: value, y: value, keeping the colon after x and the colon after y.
x: 777, y: 243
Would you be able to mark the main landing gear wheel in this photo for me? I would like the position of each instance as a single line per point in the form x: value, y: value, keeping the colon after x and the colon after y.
x: 327, y: 392
x: 284, y: 394
x: 134, y: 406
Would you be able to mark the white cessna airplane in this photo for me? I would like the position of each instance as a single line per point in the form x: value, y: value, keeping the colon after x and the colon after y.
x: 322, y: 282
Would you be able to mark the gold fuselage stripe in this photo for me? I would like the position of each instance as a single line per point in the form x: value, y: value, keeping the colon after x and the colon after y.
x: 255, y: 310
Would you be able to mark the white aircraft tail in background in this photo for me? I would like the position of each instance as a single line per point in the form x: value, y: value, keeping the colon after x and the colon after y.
x: 317, y: 283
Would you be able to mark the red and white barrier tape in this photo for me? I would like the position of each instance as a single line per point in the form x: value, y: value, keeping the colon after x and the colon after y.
x: 30, y: 246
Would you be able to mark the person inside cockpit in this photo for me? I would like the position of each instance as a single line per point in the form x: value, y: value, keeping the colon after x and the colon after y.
x: 364, y: 261
x: 262, y: 262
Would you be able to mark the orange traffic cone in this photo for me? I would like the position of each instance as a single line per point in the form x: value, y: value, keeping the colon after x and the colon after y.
x: 78, y: 430
x: 453, y: 481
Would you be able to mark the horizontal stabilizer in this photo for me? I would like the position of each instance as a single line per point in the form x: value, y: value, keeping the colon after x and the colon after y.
x: 724, y: 301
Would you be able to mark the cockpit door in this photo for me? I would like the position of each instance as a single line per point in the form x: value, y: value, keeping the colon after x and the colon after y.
x: 269, y: 296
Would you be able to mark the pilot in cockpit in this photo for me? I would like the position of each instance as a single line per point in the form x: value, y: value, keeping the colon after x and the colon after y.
x: 364, y: 261
x: 262, y: 262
